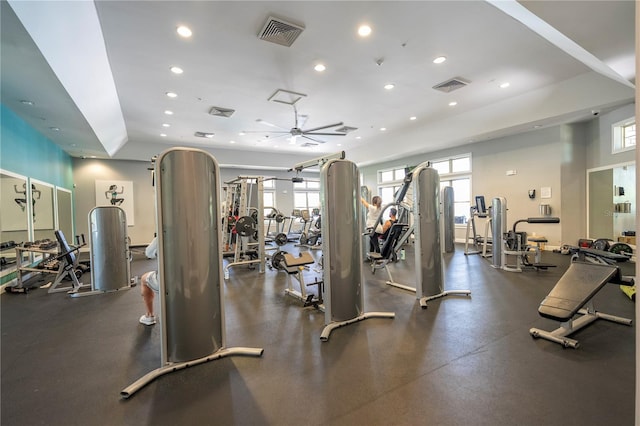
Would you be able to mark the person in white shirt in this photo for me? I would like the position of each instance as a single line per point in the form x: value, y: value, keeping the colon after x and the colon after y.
x: 372, y: 216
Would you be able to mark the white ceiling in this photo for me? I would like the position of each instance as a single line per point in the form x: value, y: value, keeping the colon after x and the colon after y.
x: 106, y: 72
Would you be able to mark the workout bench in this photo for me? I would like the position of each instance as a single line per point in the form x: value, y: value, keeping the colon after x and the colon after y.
x: 573, y: 295
x: 294, y: 267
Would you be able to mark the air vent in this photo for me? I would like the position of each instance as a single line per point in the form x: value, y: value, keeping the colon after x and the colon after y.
x: 308, y: 144
x: 451, y: 85
x: 221, y: 112
x: 346, y: 129
x: 288, y: 97
x: 280, y: 31
x: 204, y: 135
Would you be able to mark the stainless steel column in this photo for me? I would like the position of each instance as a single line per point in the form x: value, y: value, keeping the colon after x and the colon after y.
x: 341, y: 241
x: 426, y: 204
x: 110, y: 267
x: 498, y: 229
x: 428, y: 252
x: 189, y: 263
x: 342, y: 247
x: 448, y: 222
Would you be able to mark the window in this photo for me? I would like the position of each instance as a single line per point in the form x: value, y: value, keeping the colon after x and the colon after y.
x: 389, y: 182
x: 269, y: 192
x: 306, y: 195
x: 456, y: 172
x: 624, y: 136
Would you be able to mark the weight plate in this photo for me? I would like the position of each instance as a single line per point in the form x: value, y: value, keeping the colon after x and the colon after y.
x: 621, y: 248
x: 602, y: 244
x: 245, y: 226
x: 279, y: 218
x: 281, y: 239
x: 277, y: 260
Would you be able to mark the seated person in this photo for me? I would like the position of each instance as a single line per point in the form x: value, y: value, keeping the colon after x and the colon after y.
x: 149, y: 287
x: 387, y: 225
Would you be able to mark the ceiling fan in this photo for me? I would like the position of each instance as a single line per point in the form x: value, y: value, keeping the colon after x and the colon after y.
x: 297, y: 130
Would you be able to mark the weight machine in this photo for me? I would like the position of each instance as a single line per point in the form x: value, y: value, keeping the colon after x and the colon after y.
x: 514, y: 243
x: 481, y: 243
x: 190, y: 265
x: 342, y: 292
x: 244, y: 196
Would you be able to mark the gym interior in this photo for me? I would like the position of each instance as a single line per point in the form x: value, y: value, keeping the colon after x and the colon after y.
x: 502, y: 293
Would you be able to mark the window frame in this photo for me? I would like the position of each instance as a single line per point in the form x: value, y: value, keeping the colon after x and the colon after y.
x: 618, y: 139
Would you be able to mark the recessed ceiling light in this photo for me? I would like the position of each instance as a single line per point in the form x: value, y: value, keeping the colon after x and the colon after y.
x: 413, y: 117
x: 209, y: 135
x: 92, y: 156
x: 453, y: 103
x: 537, y: 126
x: 358, y: 137
x: 184, y: 31
x: 320, y: 67
x: 176, y: 70
x: 168, y: 112
x: 166, y: 125
x: 439, y: 59
x: 339, y: 144
x: 364, y: 30
x: 382, y: 129
x: 232, y: 141
x: 26, y: 102
x: 242, y: 133
x: 389, y: 86
x: 504, y: 85
x: 164, y: 135
x: 55, y: 129
x: 171, y: 94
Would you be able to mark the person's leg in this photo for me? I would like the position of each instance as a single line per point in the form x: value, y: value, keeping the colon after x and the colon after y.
x: 147, y: 296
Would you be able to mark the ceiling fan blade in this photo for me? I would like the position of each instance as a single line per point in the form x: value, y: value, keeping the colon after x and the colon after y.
x: 280, y: 135
x: 267, y: 131
x: 266, y: 123
x: 313, y: 139
x: 322, y: 127
x: 324, y: 134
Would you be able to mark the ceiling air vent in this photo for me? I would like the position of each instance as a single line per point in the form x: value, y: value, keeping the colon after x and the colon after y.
x: 204, y: 135
x: 308, y: 144
x: 280, y: 31
x: 221, y: 112
x: 451, y: 85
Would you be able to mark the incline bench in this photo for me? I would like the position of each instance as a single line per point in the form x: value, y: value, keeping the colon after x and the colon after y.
x: 573, y: 295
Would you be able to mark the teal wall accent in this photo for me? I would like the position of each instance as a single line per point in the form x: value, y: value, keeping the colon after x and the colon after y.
x: 25, y: 151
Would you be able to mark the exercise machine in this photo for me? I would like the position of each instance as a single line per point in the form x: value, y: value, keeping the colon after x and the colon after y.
x: 428, y: 250
x: 570, y: 302
x: 244, y: 195
x: 517, y: 244
x: 295, y: 266
x: 481, y: 243
x: 342, y: 292
x: 110, y: 254
x: 190, y: 264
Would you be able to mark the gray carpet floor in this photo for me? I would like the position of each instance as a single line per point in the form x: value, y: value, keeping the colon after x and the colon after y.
x: 462, y: 361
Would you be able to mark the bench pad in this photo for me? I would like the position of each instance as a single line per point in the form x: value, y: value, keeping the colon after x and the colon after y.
x: 575, y: 288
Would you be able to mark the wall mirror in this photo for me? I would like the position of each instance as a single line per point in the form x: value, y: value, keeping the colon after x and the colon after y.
x: 64, y: 213
x: 42, y: 210
x: 611, y: 195
x: 13, y: 215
